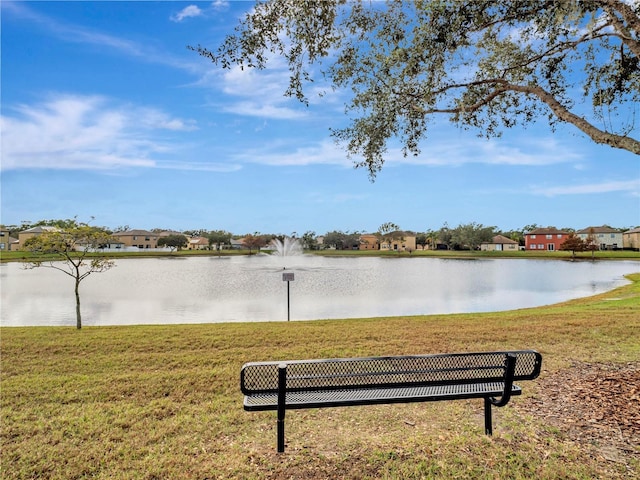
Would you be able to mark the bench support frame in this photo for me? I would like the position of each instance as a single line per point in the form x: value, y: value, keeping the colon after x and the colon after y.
x: 282, y: 395
x: 506, y: 390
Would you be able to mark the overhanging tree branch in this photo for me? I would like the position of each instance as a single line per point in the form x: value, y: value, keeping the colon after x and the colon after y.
x: 487, y: 64
x: 560, y: 111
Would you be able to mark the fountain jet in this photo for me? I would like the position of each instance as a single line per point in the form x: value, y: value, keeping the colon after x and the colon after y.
x: 288, y: 247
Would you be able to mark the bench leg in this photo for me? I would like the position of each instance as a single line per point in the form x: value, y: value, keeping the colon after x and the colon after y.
x: 282, y: 381
x: 280, y: 432
x: 488, y: 424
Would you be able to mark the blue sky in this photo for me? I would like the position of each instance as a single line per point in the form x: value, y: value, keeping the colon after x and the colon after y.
x: 107, y: 114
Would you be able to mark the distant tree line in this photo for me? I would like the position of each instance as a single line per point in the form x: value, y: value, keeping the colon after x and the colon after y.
x: 467, y: 236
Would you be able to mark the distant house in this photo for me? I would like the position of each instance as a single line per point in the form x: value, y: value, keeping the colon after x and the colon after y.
x: 142, y: 239
x: 369, y: 241
x: 631, y: 239
x: 605, y: 238
x: 197, y: 243
x: 500, y: 243
x: 237, y: 243
x: 168, y: 233
x: 6, y: 241
x: 549, y: 239
x: 399, y: 242
x: 33, y: 232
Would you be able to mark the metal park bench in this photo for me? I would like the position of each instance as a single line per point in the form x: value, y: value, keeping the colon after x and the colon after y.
x: 342, y: 382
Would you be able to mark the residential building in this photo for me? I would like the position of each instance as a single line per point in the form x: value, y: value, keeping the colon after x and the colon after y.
x: 237, y: 243
x: 500, y: 243
x: 549, y: 239
x: 605, y: 238
x: 137, y: 238
x: 197, y: 243
x: 32, y: 232
x: 168, y: 233
x: 631, y: 239
x: 369, y: 241
x: 7, y: 242
x: 399, y: 242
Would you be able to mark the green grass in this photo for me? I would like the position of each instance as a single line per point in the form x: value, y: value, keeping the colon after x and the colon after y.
x: 542, y: 254
x: 163, y: 402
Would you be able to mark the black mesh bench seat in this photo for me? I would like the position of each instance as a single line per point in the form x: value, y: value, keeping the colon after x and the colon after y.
x: 372, y: 396
x: 300, y: 384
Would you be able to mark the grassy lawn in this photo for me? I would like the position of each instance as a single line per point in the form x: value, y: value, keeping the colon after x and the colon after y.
x: 163, y: 402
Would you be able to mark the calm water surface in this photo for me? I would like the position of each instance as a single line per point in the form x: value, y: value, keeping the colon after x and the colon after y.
x: 232, y: 289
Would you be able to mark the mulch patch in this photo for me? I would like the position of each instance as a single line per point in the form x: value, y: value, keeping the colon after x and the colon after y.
x: 596, y: 406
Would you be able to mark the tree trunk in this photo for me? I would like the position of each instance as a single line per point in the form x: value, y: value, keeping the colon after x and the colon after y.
x: 78, y: 316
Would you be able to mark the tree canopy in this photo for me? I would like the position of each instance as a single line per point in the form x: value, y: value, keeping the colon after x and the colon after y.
x: 471, y: 235
x: 341, y: 240
x: 219, y: 238
x: 256, y: 241
x: 173, y: 241
x: 574, y: 244
x: 486, y: 65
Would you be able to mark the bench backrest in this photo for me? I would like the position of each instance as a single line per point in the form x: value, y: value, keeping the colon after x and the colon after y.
x: 387, y: 372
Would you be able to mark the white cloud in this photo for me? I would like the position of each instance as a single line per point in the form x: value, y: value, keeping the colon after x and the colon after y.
x: 256, y: 93
x: 263, y: 110
x: 74, y: 33
x: 156, y: 119
x: 199, y: 167
x: 220, y: 5
x: 279, y: 154
x: 85, y: 132
x: 443, y: 152
x: 453, y: 150
x: 187, y: 12
x: 630, y: 186
x: 260, y: 93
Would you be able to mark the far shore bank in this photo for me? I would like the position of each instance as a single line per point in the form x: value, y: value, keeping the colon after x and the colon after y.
x: 21, y: 256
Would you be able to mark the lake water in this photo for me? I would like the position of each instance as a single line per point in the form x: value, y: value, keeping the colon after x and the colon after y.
x: 243, y: 288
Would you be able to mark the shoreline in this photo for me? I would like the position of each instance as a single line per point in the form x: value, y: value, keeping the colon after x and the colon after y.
x: 612, y: 255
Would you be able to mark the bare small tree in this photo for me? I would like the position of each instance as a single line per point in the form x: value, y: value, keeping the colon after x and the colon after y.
x: 74, y: 250
x: 591, y: 243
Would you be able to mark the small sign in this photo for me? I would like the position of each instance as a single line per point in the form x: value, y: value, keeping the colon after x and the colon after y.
x: 287, y: 277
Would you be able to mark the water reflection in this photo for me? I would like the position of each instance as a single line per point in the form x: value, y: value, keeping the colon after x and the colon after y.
x: 212, y: 289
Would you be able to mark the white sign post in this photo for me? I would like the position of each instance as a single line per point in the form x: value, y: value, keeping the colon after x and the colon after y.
x: 288, y: 277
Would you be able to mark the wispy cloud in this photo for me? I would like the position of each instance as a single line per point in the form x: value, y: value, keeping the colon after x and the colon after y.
x: 199, y: 166
x: 74, y: 33
x: 220, y: 4
x: 187, y: 12
x: 288, y: 154
x: 629, y: 186
x: 443, y: 152
x: 263, y: 110
x: 452, y: 150
x: 257, y: 93
x: 85, y: 132
x: 261, y: 93
x: 193, y: 11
